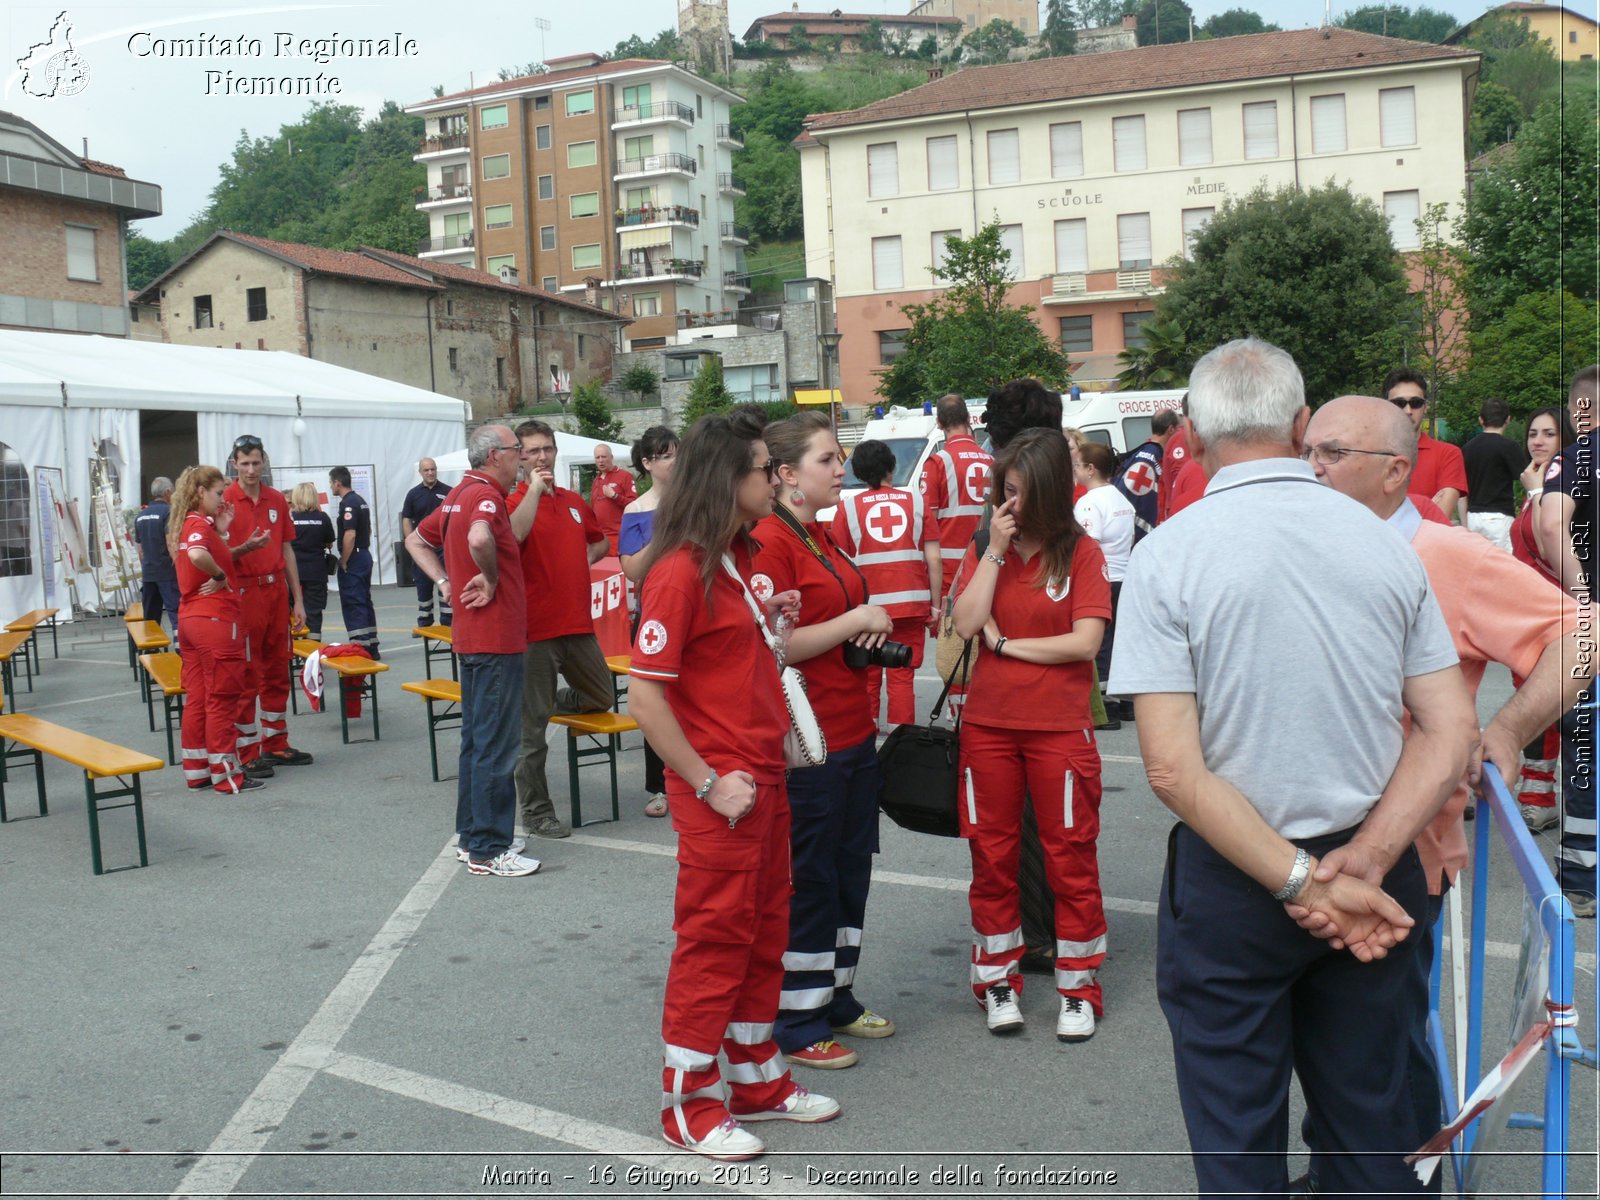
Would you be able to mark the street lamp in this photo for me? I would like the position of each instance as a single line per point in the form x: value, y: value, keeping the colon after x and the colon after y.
x: 829, y: 342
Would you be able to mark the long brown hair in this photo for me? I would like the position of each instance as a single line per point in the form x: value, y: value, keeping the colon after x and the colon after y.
x: 186, y: 499
x: 1042, y: 463
x: 713, y: 460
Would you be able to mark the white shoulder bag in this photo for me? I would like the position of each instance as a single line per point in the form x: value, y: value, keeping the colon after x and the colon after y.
x: 803, y: 745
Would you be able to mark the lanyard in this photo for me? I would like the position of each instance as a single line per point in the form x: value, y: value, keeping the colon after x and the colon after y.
x: 801, y: 532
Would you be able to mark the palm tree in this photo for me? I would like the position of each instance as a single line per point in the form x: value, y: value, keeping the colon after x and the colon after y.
x: 1161, y: 362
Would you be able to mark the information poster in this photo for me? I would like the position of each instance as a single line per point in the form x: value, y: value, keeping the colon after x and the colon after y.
x: 285, y: 480
x: 48, y: 484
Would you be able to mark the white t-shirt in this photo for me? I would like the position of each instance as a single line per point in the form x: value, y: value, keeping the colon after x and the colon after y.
x: 1107, y: 517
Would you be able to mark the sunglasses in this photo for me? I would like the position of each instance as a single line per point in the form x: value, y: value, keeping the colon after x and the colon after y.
x: 248, y: 441
x: 768, y: 468
x: 1411, y: 402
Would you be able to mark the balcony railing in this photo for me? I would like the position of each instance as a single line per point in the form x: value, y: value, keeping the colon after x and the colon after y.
x: 1133, y: 281
x: 731, y: 184
x: 651, y: 163
x: 451, y: 241
x: 652, y: 268
x: 769, y: 319
x: 727, y: 137
x: 447, y: 191
x: 444, y: 141
x: 666, y: 110
x: 1069, y: 283
x: 732, y: 232
x: 732, y: 281
x: 650, y: 214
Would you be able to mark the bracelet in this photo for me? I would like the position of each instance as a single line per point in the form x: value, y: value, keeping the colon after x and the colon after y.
x: 1298, y: 874
x: 998, y: 560
x: 704, y: 790
x: 1000, y: 647
x: 220, y: 576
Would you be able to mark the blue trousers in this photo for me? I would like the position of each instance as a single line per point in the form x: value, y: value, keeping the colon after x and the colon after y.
x: 833, y: 834
x: 158, y: 595
x: 425, y: 598
x: 355, y: 601
x: 491, y: 726
x: 1249, y: 996
x: 1575, y: 861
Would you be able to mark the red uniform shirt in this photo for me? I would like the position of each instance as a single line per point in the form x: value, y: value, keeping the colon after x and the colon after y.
x: 955, y: 485
x: 1439, y: 465
x: 270, y: 512
x: 201, y: 532
x: 1524, y: 547
x: 721, y: 678
x: 1427, y: 508
x: 608, y: 512
x: 838, y: 693
x: 555, y: 564
x: 500, y: 626
x: 1012, y: 694
x: 1172, y: 459
x: 883, y: 531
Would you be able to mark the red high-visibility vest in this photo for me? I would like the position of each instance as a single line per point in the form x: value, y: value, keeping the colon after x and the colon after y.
x: 882, y: 530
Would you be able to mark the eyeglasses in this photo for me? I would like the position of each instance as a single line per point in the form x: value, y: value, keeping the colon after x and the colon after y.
x: 768, y: 468
x: 1328, y: 453
x: 538, y: 450
x: 1411, y: 402
x: 513, y: 448
x: 248, y: 441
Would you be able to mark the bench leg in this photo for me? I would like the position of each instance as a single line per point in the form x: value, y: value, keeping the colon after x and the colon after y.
x: 25, y: 753
x: 94, y: 799
x: 8, y: 685
x: 344, y: 713
x: 168, y: 703
x: 615, y: 741
x: 370, y: 685
x: 150, y: 706
x: 55, y: 649
x: 294, y: 686
x: 433, y: 741
x: 572, y: 778
x: 94, y: 824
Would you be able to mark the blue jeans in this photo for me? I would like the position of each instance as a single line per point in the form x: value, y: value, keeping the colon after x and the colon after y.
x: 491, y: 724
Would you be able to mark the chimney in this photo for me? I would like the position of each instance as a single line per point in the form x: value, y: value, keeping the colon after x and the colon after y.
x: 508, y: 275
x: 1130, y: 22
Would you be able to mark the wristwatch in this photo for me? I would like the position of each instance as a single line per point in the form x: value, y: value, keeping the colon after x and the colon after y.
x: 220, y: 576
x: 704, y: 790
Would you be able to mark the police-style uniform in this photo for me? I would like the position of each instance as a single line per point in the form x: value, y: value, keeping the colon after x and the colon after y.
x: 1139, y: 479
x: 419, y: 502
x: 883, y: 531
x: 213, y: 662
x: 159, y: 591
x: 313, y: 539
x: 355, y: 573
x: 731, y: 910
x: 263, y: 620
x: 955, y: 486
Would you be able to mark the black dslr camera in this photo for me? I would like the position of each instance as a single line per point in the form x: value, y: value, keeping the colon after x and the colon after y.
x: 890, y: 654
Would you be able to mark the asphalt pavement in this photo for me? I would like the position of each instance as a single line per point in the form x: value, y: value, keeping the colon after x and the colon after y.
x: 305, y: 994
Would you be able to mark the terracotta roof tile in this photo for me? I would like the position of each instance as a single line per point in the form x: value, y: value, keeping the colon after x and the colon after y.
x: 332, y: 262
x: 100, y: 168
x: 1220, y: 60
x: 552, y: 77
x: 477, y: 278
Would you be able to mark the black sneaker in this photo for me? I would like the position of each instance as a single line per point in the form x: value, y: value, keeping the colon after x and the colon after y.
x: 259, y: 769
x: 243, y: 783
x: 289, y: 758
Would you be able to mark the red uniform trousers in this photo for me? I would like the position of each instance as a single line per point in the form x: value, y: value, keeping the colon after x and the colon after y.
x: 213, y: 680
x: 1061, y: 771
x: 731, y: 915
x: 909, y: 631
x: 264, y: 622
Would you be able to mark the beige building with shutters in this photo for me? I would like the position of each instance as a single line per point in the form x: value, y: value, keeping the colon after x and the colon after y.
x: 1102, y: 168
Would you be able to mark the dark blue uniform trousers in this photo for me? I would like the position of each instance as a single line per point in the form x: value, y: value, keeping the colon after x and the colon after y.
x: 1575, y: 861
x: 159, y: 594
x: 1249, y: 995
x: 355, y: 601
x: 833, y: 834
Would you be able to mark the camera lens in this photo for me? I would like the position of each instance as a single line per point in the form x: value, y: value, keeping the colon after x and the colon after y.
x: 893, y: 654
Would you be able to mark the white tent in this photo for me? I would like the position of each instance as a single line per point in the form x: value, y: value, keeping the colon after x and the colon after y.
x: 65, y: 399
x: 572, y: 452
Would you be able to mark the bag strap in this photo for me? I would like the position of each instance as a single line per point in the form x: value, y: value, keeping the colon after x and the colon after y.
x: 755, y: 606
x: 959, y: 668
x: 800, y: 531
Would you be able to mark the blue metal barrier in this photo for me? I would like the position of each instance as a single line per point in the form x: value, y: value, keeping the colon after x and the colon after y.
x: 1562, y: 1046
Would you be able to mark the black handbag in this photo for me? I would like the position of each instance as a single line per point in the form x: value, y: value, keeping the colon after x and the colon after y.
x: 920, y: 769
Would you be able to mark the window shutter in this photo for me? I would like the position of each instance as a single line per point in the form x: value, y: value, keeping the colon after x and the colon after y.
x: 940, y: 248
x: 1397, y: 116
x: 944, y: 171
x: 1004, y: 164
x: 1011, y: 239
x: 1261, y: 130
x: 1194, y: 220
x: 1133, y: 241
x: 1066, y: 150
x: 1072, y: 246
x: 1127, y: 140
x: 1194, y: 137
x: 883, y: 169
x: 80, y: 253
x: 1327, y: 124
x: 1403, y: 210
x: 887, y: 272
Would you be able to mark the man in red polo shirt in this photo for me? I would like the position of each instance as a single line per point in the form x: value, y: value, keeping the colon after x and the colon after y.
x: 270, y: 605
x: 555, y: 569
x: 1440, y: 472
x: 955, y: 484
x: 613, y: 491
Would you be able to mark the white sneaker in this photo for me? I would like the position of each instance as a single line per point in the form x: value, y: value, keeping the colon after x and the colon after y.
x: 1000, y: 1003
x: 1076, y: 1022
x: 802, y: 1105
x: 729, y: 1142
x: 506, y: 863
x: 1539, y: 817
x: 518, y: 845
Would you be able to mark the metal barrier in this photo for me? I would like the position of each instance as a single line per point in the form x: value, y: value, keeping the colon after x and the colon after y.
x: 1562, y: 1046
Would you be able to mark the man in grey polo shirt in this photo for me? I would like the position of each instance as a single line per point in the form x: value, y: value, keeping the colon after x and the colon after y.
x: 1270, y: 637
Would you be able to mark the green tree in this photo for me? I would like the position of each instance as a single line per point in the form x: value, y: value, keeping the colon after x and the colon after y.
x: 147, y: 260
x: 1421, y: 24
x: 1433, y: 337
x: 707, y: 394
x: 1496, y: 116
x: 800, y: 39
x: 1236, y: 21
x: 771, y: 205
x: 969, y: 338
x: 1311, y: 271
x: 593, y: 414
x: 1526, y: 357
x: 504, y: 74
x: 992, y: 43
x: 1096, y: 14
x: 1060, y: 33
x: 1530, y: 218
x: 641, y: 380
x: 1161, y: 362
x: 1163, y: 21
x: 664, y: 45
x: 871, y: 39
x: 1517, y: 59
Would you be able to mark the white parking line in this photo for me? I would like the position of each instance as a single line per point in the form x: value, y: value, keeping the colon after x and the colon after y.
x: 85, y: 700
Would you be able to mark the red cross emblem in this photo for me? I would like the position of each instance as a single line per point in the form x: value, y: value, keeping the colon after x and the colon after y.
x: 1140, y: 479
x: 1177, y: 454
x: 597, y: 600
x: 613, y: 591
x: 887, y: 522
x: 652, y: 637
x: 977, y: 480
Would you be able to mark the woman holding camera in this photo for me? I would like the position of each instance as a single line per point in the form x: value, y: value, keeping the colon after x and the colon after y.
x: 833, y: 807
x: 704, y: 688
x: 313, y: 539
x: 1040, y: 599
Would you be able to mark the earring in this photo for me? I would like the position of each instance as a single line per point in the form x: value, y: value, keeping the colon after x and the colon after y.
x: 797, y: 497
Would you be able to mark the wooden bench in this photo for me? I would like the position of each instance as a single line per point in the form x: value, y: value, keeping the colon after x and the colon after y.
x: 165, y: 672
x: 357, y: 677
x: 134, y: 612
x: 300, y: 649
x: 29, y: 623
x: 437, y: 691
x: 145, y: 637
x: 618, y: 665
x: 603, y: 732
x: 27, y: 738
x: 437, y: 642
x: 10, y: 644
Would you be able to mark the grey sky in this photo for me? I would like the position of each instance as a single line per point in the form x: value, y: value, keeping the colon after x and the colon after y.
x: 153, y: 115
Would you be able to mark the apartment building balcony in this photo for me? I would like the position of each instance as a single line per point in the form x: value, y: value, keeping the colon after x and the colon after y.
x: 658, y: 214
x: 732, y: 281
x: 450, y: 244
x: 1078, y: 287
x: 667, y: 112
x: 655, y: 164
x: 660, y: 270
x: 730, y: 185
x: 735, y: 234
x: 444, y: 195
x: 442, y: 144
x: 728, y: 138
